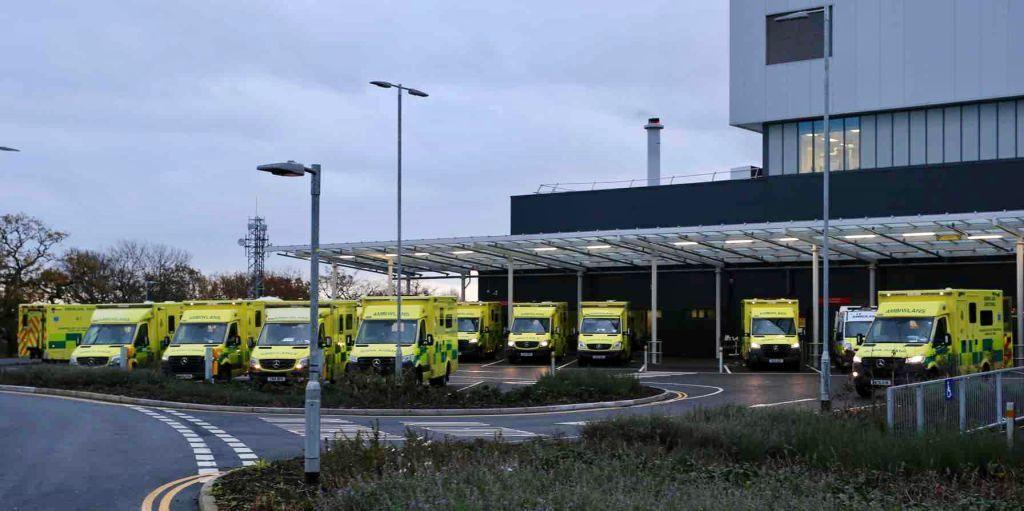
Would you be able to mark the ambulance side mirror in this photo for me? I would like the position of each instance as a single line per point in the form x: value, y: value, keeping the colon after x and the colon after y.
x: 860, y: 339
x: 325, y: 342
x: 349, y: 341
x: 234, y: 341
x: 165, y: 343
x: 252, y: 343
x: 427, y: 341
x: 947, y: 339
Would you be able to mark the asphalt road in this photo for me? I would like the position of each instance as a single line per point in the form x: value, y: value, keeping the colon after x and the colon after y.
x: 71, y: 454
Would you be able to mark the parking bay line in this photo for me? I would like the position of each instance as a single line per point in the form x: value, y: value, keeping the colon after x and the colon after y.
x: 780, y: 403
x: 489, y: 364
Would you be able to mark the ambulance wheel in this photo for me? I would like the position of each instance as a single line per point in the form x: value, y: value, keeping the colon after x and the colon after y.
x: 224, y: 373
x: 440, y: 381
x: 864, y: 391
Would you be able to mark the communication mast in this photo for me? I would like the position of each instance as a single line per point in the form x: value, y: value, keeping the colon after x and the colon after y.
x: 255, y: 243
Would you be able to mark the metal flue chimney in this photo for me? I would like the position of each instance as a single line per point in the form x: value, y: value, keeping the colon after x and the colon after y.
x: 653, y: 128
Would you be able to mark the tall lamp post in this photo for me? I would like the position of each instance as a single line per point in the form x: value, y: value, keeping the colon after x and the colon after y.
x: 312, y: 408
x: 825, y: 368
x: 9, y: 149
x: 398, y: 273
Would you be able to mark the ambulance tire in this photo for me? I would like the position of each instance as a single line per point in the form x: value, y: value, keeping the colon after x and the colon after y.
x: 441, y: 381
x: 224, y: 373
x: 864, y: 391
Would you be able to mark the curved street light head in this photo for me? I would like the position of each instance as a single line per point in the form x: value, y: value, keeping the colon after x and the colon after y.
x: 378, y: 83
x: 289, y: 168
x: 3, y: 148
x: 414, y: 92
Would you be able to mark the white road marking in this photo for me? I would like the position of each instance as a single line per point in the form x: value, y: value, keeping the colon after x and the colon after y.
x: 330, y: 428
x: 660, y: 374
x: 726, y: 367
x: 577, y: 423
x: 244, y: 453
x: 489, y: 364
x: 205, y: 462
x: 573, y: 361
x: 766, y: 405
x: 523, y: 382
x: 459, y: 429
x: 469, y: 386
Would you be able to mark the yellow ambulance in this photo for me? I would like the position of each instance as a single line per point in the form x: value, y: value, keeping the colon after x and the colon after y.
x: 929, y: 334
x: 539, y: 330
x: 143, y: 328
x: 281, y: 353
x: 427, y: 333
x: 770, y: 336
x: 480, y: 329
x: 51, y: 331
x: 610, y: 331
x: 230, y: 327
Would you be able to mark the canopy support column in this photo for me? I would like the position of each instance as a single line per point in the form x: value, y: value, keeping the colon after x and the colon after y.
x: 718, y: 317
x: 1018, y: 351
x: 872, y: 286
x: 655, y: 343
x: 510, y: 292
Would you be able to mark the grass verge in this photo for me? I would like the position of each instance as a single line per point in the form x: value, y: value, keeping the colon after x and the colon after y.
x: 353, y: 391
x: 728, y: 458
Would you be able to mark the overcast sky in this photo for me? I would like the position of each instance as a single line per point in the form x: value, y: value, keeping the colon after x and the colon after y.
x: 145, y: 120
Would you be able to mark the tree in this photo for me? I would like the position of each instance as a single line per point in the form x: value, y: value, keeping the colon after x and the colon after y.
x: 283, y: 285
x: 26, y: 250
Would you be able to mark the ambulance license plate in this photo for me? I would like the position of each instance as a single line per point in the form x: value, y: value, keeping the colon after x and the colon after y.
x: 882, y: 383
x: 775, y: 360
x: 526, y: 354
x: 183, y: 376
x: 276, y: 378
x: 598, y: 357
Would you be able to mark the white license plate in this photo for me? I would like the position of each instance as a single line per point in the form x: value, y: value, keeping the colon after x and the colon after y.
x: 183, y: 376
x: 775, y: 360
x: 882, y: 383
x: 598, y: 357
x: 276, y: 378
x: 526, y: 354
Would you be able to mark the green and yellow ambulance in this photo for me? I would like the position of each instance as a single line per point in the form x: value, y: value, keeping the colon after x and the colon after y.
x: 50, y: 331
x: 919, y: 335
x: 144, y: 329
x: 852, y: 323
x: 427, y: 334
x: 770, y: 336
x: 229, y: 327
x: 282, y: 352
x: 538, y: 331
x: 480, y: 329
x: 610, y: 331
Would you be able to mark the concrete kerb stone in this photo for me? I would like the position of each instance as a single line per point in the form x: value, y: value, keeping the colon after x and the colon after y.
x: 206, y: 500
x: 382, y: 412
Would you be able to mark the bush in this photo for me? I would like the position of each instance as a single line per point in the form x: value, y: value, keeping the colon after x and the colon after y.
x: 357, y: 390
x: 643, y: 462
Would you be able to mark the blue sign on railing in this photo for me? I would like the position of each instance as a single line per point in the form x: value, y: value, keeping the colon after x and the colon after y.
x: 949, y: 390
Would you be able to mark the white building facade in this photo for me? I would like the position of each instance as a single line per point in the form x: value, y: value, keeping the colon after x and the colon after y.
x: 913, y: 82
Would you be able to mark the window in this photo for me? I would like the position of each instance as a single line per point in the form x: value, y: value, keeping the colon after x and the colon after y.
x: 972, y: 313
x: 143, y: 338
x: 867, y: 142
x: 806, y: 150
x: 918, y: 136
x: 791, y: 40
x: 789, y: 148
x: 900, y: 139
x: 941, y: 330
x: 259, y: 318
x: 987, y: 131
x: 24, y: 320
x: 986, y: 318
x: 969, y: 128
x: 775, y: 149
x: 819, y: 146
x: 853, y: 143
x: 448, y: 321
x: 951, y: 134
x: 934, y: 138
x: 1007, y: 140
x: 170, y: 324
x: 348, y: 322
x: 835, y: 144
x: 233, y: 332
x: 883, y: 144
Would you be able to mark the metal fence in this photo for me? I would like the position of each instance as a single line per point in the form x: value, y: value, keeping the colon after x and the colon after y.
x: 700, y: 177
x: 963, y: 403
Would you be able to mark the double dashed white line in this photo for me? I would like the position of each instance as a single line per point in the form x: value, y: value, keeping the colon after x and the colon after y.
x: 243, y: 452
x: 205, y: 463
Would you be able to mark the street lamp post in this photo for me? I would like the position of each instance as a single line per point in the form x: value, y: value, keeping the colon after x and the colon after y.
x: 825, y: 367
x: 398, y: 274
x: 312, y: 409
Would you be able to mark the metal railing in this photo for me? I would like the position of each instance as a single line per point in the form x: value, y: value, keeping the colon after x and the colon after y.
x: 702, y: 177
x: 965, y: 403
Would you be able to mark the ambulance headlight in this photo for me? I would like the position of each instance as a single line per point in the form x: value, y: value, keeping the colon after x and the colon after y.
x: 254, y: 363
x: 511, y: 344
x: 856, y: 359
x: 796, y: 345
x: 73, y: 361
x: 408, y: 358
x: 916, y: 359
x: 581, y: 345
x: 303, y: 362
x: 473, y: 340
x: 543, y: 344
x: 755, y: 346
x: 617, y: 346
x: 166, y: 357
x: 847, y: 346
x: 353, y: 359
x: 114, y: 360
